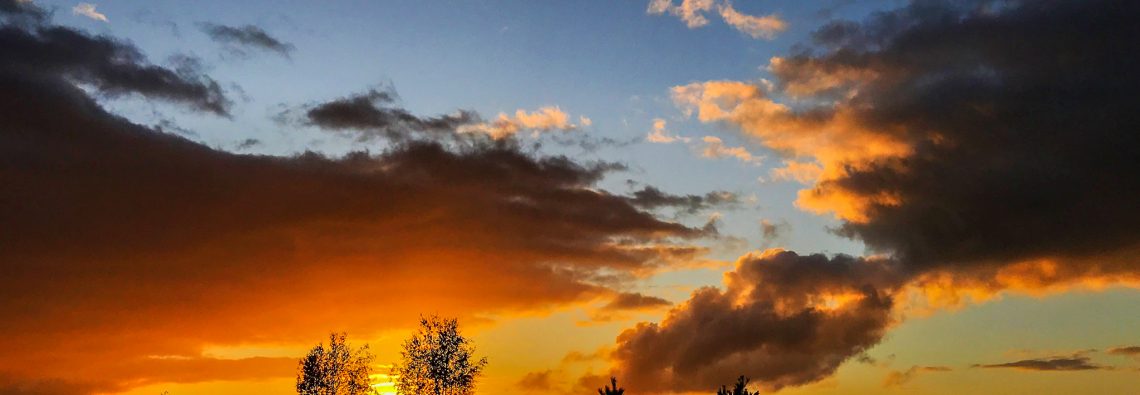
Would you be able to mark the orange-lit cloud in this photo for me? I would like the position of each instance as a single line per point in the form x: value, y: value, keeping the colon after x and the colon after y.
x: 954, y: 143
x: 542, y: 120
x: 782, y: 319
x: 714, y: 148
x: 801, y: 172
x: 128, y: 252
x: 692, y: 13
x: 660, y: 134
x: 766, y: 27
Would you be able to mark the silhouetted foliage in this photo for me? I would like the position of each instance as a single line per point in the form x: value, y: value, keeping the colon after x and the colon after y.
x: 437, y: 360
x: 741, y: 388
x: 611, y: 390
x: 336, y: 369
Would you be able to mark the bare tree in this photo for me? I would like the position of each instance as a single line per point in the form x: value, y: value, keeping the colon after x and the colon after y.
x: 336, y: 369
x: 438, y: 360
x: 611, y: 391
x: 741, y: 388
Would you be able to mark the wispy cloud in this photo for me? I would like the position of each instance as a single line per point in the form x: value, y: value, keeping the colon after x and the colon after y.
x: 897, y: 378
x: 713, y: 147
x: 765, y: 27
x: 1131, y: 351
x: 659, y: 134
x: 692, y: 13
x: 710, y: 147
x: 238, y: 38
x: 544, y: 119
x: 88, y: 10
x: 1073, y: 363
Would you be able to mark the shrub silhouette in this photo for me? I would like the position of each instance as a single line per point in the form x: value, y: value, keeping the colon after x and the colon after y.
x: 739, y: 389
x: 335, y: 370
x: 611, y: 391
x: 437, y: 360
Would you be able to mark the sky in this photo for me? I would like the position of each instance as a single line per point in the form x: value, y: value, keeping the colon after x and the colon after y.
x: 828, y: 197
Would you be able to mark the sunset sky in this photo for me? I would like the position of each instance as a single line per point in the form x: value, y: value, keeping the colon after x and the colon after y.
x: 829, y: 197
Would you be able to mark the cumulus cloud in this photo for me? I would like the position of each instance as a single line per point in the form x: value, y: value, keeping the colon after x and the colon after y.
x: 240, y: 38
x: 692, y: 13
x: 896, y: 378
x: 782, y: 319
x: 88, y: 10
x: 128, y: 250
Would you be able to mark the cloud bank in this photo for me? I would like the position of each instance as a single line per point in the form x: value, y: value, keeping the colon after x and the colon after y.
x: 974, y: 146
x: 127, y: 250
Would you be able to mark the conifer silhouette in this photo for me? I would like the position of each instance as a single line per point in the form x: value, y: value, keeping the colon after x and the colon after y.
x: 611, y: 391
x: 739, y: 389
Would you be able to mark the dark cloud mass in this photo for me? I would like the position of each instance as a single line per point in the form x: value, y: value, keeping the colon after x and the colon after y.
x: 133, y: 248
x: 1030, y: 108
x: 1020, y: 132
x: 371, y: 115
x: 248, y: 36
x: 1075, y: 363
x: 651, y: 198
x: 113, y: 67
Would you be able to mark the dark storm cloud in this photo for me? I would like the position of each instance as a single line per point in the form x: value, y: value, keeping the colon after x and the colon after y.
x: 1031, y: 107
x: 783, y: 319
x: 16, y: 11
x: 32, y: 51
x: 372, y: 114
x: 1075, y: 363
x: 1018, y: 135
x: 126, y: 250
x: 651, y: 198
x: 240, y: 38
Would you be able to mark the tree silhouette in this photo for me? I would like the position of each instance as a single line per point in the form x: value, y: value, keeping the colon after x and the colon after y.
x: 739, y: 389
x: 336, y: 369
x: 437, y: 360
x: 611, y: 391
